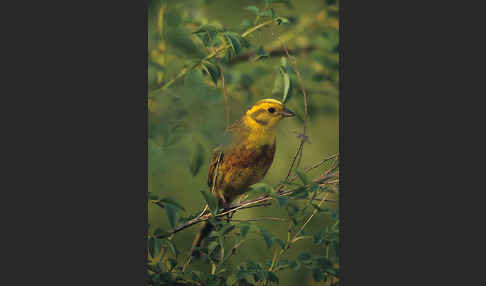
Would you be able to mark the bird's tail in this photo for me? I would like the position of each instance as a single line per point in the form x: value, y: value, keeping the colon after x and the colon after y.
x: 203, y: 233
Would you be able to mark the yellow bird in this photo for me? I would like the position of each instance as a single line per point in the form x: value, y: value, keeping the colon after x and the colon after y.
x: 246, y: 160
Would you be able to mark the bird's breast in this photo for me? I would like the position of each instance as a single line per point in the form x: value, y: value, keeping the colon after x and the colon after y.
x: 246, y: 166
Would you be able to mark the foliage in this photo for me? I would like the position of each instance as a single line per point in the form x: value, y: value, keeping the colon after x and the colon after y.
x: 196, y: 65
x: 168, y: 265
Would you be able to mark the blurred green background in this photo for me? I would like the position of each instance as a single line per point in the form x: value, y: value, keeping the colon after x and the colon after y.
x: 191, y: 112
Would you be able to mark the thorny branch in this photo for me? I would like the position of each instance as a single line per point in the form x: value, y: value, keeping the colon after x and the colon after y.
x: 329, y: 177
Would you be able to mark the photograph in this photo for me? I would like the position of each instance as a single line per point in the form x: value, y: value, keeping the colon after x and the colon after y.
x: 243, y: 142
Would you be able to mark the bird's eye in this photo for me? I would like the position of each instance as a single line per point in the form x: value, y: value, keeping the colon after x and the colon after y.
x: 271, y: 110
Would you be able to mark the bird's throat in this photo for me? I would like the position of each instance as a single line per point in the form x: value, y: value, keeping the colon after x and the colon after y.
x: 259, y: 134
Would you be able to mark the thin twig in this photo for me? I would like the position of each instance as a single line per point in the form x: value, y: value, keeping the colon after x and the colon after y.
x: 204, y: 210
x: 216, y: 52
x: 260, y: 218
x: 311, y: 216
x: 299, y: 149
x: 257, y: 202
x: 298, y: 155
x: 271, y: 54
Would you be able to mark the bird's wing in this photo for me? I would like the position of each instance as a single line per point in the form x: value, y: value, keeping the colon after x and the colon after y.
x: 216, y: 157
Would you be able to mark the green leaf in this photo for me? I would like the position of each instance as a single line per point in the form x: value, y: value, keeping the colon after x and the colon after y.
x: 335, y: 245
x: 314, y: 187
x: 318, y: 237
x: 195, y: 275
x: 286, y: 79
x: 244, y: 42
x: 300, y: 193
x: 334, y: 215
x: 266, y: 13
x: 160, y: 204
x: 317, y: 274
x: 295, y: 265
x: 182, y: 42
x: 172, y: 214
x: 267, y: 236
x: 160, y: 233
x: 253, y: 9
x: 305, y: 258
x: 281, y: 20
x: 323, y: 262
x: 171, y: 247
x: 258, y: 276
x: 302, y: 177
x: 157, y: 245
x: 283, y: 263
x: 207, y: 28
x: 234, y: 42
x: 152, y: 196
x: 278, y: 84
x: 208, y: 34
x: 244, y: 228
x: 171, y: 201
x: 212, y: 246
x: 151, y: 246
x: 208, y: 39
x: 261, y: 188
x: 198, y: 157
x: 272, y: 277
x: 245, y: 24
x: 211, y: 200
x: 282, y: 84
x: 171, y: 264
x: 261, y: 53
x: 252, y: 265
x: 232, y: 279
x: 280, y: 243
x: 227, y: 229
x: 213, y: 70
x: 243, y: 274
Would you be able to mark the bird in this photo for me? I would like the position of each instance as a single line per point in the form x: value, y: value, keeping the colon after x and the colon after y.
x: 245, y: 161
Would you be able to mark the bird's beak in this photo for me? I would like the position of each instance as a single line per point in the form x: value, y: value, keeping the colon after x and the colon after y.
x: 287, y: 112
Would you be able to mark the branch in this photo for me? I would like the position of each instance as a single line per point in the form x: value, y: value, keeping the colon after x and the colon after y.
x: 274, y: 53
x: 310, y: 217
x: 215, y: 53
x: 261, y: 218
x: 303, y: 137
x: 264, y: 200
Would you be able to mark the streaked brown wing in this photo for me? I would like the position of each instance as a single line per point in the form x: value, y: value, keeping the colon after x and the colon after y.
x: 217, y: 154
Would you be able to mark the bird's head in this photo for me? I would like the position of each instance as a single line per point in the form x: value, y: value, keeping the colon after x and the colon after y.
x: 266, y: 113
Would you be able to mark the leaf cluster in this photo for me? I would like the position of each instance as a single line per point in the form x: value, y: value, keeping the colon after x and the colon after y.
x: 167, y: 264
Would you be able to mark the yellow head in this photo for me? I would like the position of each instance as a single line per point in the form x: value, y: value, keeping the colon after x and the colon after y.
x: 265, y: 114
